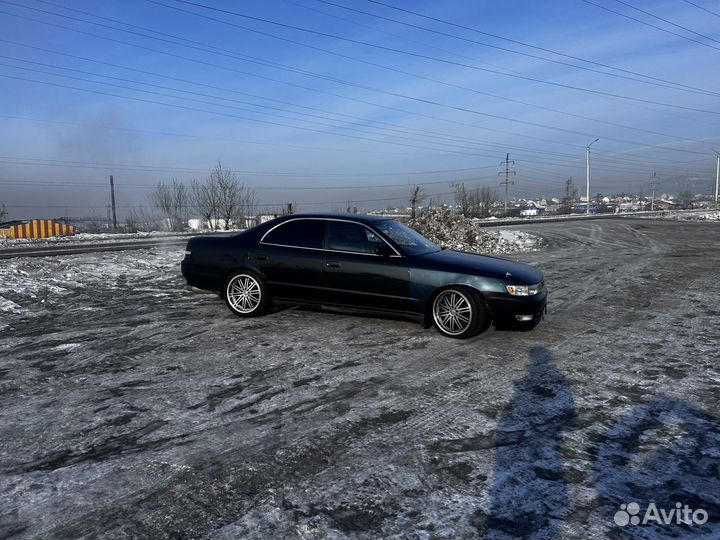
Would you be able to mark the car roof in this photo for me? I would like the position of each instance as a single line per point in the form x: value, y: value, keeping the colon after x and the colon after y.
x: 360, y: 218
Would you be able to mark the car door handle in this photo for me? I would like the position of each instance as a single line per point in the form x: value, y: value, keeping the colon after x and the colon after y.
x: 261, y: 257
x: 332, y: 264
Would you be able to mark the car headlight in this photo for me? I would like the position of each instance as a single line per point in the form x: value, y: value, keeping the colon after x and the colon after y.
x: 524, y: 290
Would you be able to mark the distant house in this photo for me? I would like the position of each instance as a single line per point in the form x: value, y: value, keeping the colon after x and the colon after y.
x: 219, y: 224
x: 664, y: 204
x: 581, y: 208
x: 196, y: 224
x: 264, y: 218
x: 532, y: 209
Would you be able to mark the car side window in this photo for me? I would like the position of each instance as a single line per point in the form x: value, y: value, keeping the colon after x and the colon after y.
x: 345, y: 236
x: 305, y: 233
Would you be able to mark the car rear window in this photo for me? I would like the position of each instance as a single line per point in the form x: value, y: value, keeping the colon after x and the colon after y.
x: 307, y: 233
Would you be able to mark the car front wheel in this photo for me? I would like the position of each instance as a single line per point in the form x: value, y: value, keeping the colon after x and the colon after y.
x: 459, y: 313
x: 245, y: 294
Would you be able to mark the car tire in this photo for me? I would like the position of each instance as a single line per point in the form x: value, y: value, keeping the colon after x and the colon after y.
x: 245, y: 294
x: 459, y: 313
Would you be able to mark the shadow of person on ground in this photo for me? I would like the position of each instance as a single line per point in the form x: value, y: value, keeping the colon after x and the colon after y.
x: 663, y: 453
x: 529, y: 495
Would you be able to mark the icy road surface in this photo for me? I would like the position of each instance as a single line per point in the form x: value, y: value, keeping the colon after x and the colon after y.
x: 133, y: 409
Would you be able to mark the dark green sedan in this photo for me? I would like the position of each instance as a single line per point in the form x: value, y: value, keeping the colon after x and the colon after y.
x: 363, y: 262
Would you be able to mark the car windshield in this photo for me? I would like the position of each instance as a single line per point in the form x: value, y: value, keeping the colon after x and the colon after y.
x: 411, y: 242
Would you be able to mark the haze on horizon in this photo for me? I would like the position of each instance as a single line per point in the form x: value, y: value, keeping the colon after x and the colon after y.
x: 329, y: 102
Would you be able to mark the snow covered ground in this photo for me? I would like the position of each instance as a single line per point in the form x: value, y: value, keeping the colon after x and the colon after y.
x: 27, y: 284
x: 687, y: 215
x: 130, y: 408
x: 81, y: 238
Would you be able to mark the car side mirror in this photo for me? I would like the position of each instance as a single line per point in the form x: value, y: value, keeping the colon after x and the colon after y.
x: 383, y: 250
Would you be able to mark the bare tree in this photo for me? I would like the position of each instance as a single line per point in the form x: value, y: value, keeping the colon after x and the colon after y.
x: 246, y: 208
x: 417, y: 196
x: 474, y: 202
x: 570, y: 196
x: 3, y: 212
x: 148, y: 219
x: 461, y: 198
x: 235, y: 201
x: 479, y: 202
x: 685, y: 198
x: 172, y: 201
x: 131, y: 222
x: 204, y: 198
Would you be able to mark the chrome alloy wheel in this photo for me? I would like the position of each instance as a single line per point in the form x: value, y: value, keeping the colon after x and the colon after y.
x: 243, y: 293
x: 452, y: 312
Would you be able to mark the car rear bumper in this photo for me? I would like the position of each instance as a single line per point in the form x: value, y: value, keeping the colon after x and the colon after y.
x: 198, y: 279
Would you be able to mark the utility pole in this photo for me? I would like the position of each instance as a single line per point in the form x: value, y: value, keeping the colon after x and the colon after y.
x: 653, y: 183
x: 587, y: 158
x: 112, y: 200
x: 507, y: 181
x: 717, y: 179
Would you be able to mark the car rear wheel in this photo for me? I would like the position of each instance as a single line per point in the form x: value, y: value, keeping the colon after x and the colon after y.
x: 245, y: 294
x: 459, y: 313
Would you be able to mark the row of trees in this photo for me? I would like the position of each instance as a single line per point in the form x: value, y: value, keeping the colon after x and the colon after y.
x: 221, y: 200
x: 472, y: 202
x: 571, y: 197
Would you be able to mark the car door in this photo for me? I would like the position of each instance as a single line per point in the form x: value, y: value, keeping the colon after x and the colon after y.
x: 355, y: 275
x: 290, y: 257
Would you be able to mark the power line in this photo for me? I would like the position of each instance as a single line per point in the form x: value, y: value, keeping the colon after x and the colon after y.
x: 652, y: 80
x: 75, y: 183
x: 403, y: 129
x: 621, y: 166
x: 194, y: 136
x: 255, y: 205
x: 517, y: 42
x: 651, y: 25
x: 667, y: 21
x: 611, y: 157
x: 279, y: 66
x: 426, y: 57
x: 154, y: 168
x: 121, y: 96
x: 701, y: 7
x: 195, y: 109
x: 294, y: 85
x: 395, y: 109
x: 438, y: 139
x: 393, y: 127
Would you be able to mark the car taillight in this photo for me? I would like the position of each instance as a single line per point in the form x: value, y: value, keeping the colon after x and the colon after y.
x: 188, y: 255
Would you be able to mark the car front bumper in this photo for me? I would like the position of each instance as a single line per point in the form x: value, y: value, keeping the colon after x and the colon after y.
x: 509, y: 308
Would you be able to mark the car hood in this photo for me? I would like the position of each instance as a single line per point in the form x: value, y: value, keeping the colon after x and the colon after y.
x: 481, y: 265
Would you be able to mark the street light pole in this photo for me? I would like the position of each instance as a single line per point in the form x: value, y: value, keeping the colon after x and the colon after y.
x: 717, y: 179
x: 587, y: 159
x: 653, y: 183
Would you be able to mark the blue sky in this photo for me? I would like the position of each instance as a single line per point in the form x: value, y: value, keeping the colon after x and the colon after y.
x: 328, y: 102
